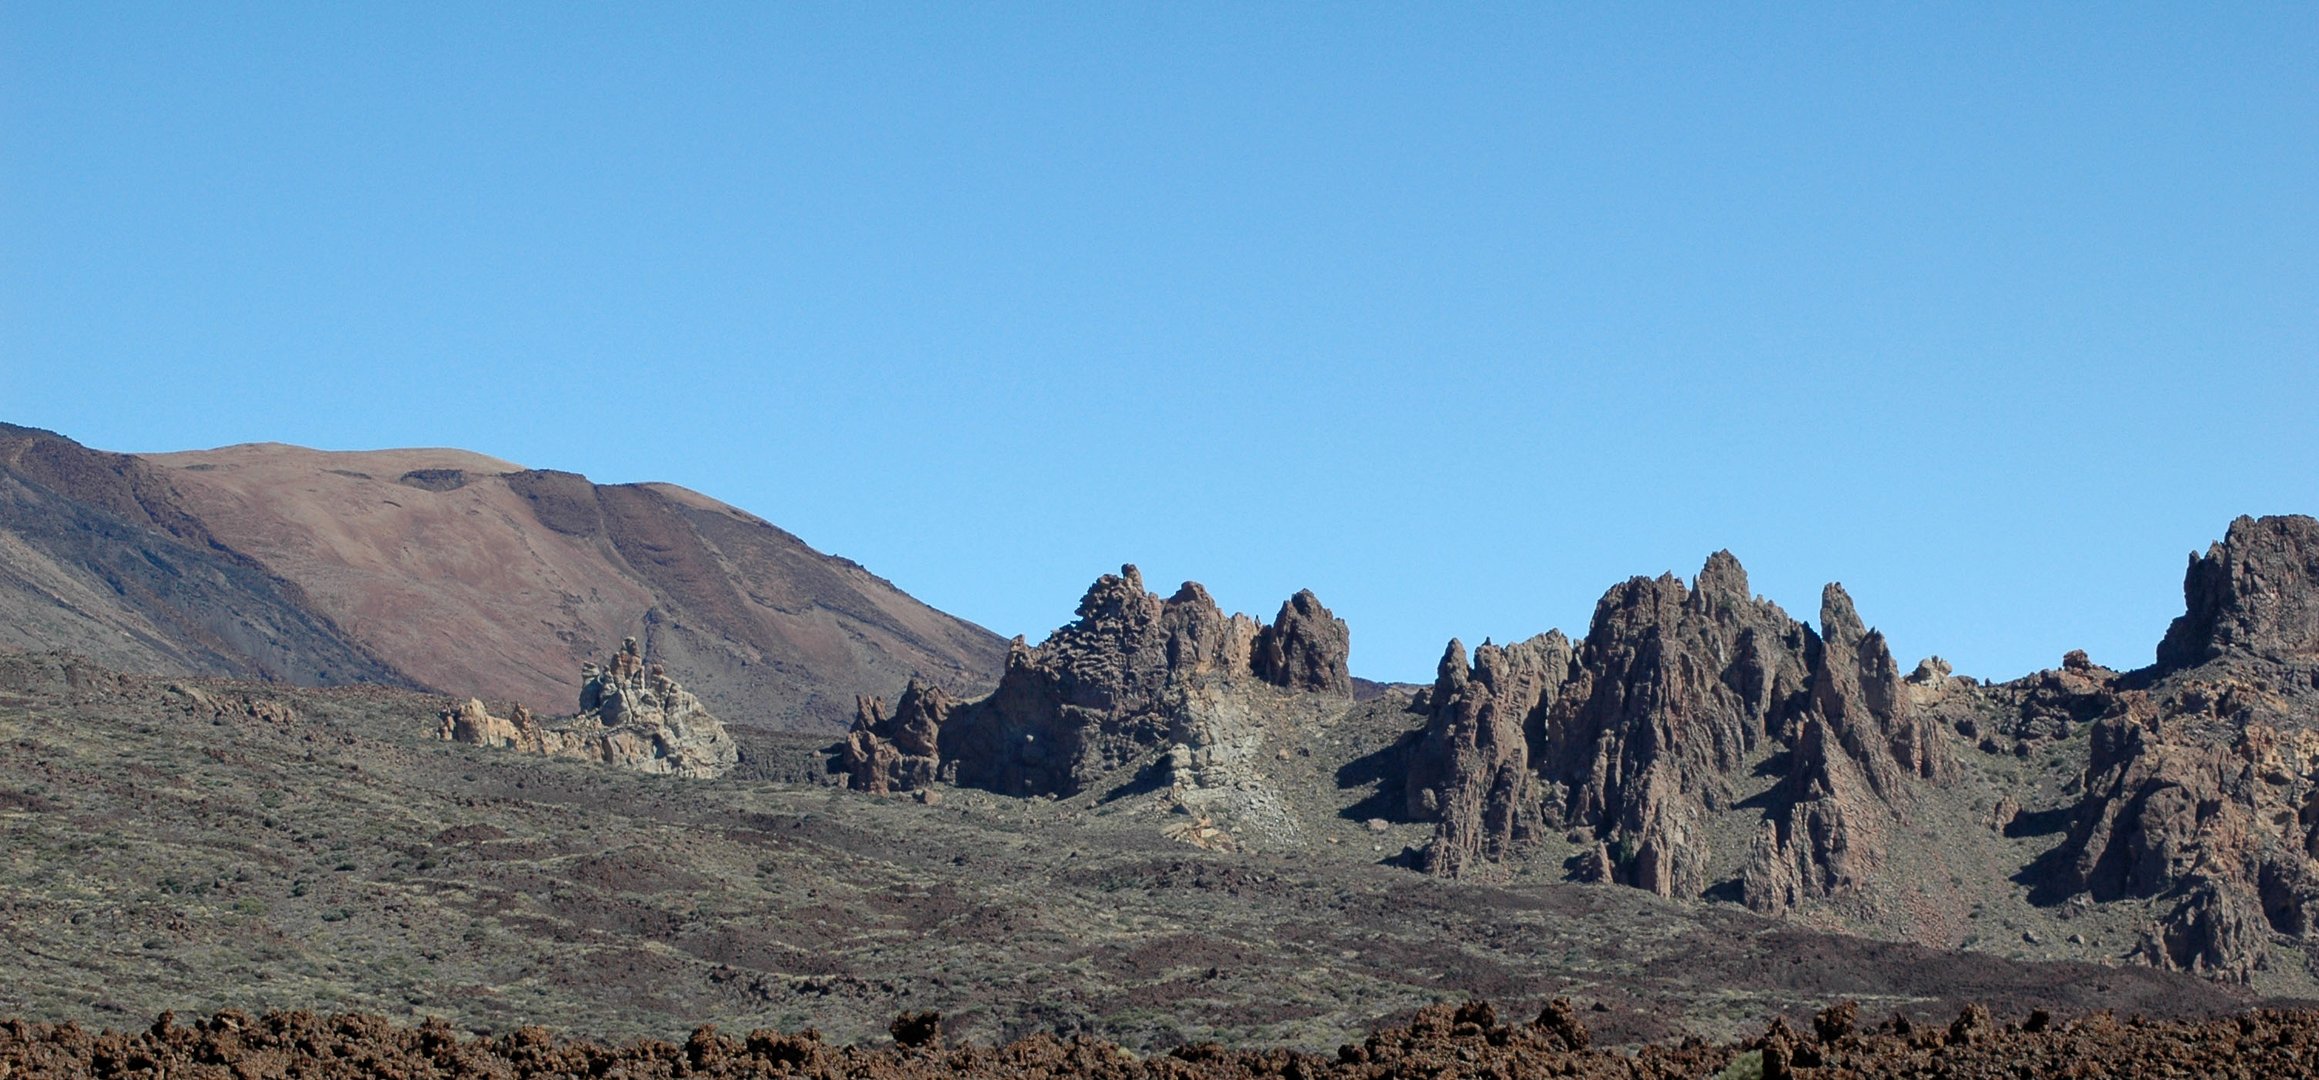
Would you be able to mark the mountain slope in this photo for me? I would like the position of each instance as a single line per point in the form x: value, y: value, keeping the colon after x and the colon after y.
x: 445, y: 569
x: 98, y: 554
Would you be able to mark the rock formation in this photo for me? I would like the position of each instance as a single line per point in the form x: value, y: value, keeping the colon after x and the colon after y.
x: 1687, y: 704
x: 900, y: 751
x: 2201, y: 788
x: 1674, y: 688
x: 630, y: 716
x: 1305, y: 648
x: 1132, y: 673
x: 1471, y: 768
x: 1633, y: 738
x: 2250, y: 596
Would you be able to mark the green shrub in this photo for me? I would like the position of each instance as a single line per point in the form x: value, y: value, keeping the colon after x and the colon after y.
x: 1747, y: 1066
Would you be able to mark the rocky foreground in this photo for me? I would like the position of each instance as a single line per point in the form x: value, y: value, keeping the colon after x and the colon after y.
x: 1442, y: 1040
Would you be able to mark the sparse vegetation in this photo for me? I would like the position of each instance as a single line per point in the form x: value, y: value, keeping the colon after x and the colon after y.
x: 620, y: 905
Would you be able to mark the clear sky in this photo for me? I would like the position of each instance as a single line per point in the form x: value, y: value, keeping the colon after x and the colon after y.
x: 1456, y: 314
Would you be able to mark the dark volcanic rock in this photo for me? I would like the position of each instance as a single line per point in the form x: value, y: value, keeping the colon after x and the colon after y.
x: 1091, y: 695
x: 1635, y: 737
x: 1861, y: 742
x: 898, y: 752
x: 2252, y: 593
x: 1305, y: 648
x: 2201, y: 787
x: 1857, y: 689
x: 2215, y: 809
x: 1471, y: 769
x: 1114, y: 684
x: 1443, y: 1039
x: 1674, y: 688
x: 1829, y: 841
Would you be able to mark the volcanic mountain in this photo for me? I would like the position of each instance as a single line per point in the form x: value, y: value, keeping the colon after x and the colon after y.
x: 447, y: 570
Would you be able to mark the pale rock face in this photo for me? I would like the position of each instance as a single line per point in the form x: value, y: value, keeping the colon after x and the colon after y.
x: 629, y: 716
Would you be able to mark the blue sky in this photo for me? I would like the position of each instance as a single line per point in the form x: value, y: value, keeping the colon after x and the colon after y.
x: 1455, y: 314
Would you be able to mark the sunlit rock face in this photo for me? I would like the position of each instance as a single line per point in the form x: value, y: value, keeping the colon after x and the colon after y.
x: 631, y: 715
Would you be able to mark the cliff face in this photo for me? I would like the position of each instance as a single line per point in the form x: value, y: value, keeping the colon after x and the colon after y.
x: 1130, y: 674
x: 1674, y: 688
x: 444, y: 569
x: 1471, y: 769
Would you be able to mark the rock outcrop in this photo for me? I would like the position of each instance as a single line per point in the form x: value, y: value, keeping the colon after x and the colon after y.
x: 1305, y: 648
x: 1130, y: 674
x: 898, y: 751
x: 1095, y: 693
x: 2250, y: 596
x: 630, y: 716
x: 1674, y: 688
x: 1635, y: 737
x: 1471, y: 770
x: 2201, y: 787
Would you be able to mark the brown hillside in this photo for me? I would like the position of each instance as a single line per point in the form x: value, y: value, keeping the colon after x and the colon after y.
x: 476, y: 576
x: 98, y: 554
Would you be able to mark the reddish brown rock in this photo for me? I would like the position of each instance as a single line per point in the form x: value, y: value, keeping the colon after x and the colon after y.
x: 1130, y: 674
x: 1471, y: 770
x: 2201, y: 789
x: 1857, y: 689
x: 1673, y: 687
x: 1464, y: 1039
x: 1305, y: 648
x: 1829, y: 839
x: 1635, y: 737
x: 900, y: 751
x: 2252, y: 593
